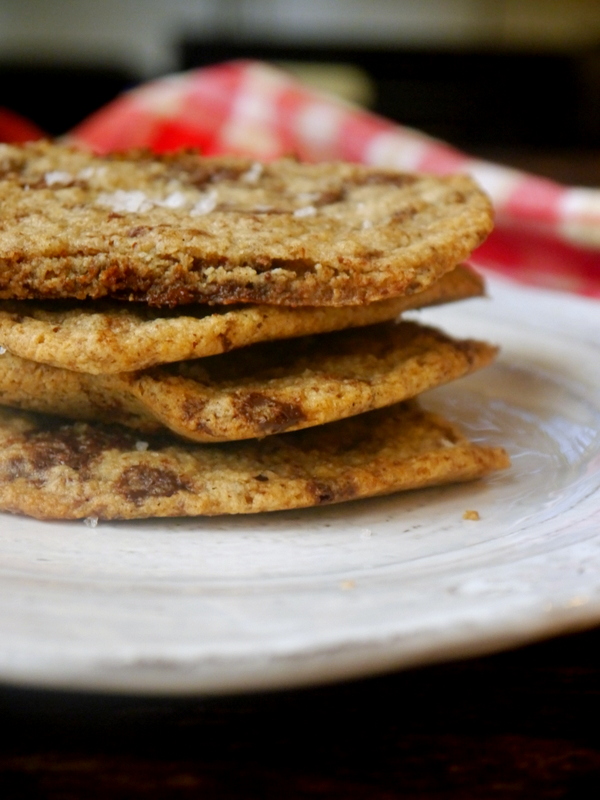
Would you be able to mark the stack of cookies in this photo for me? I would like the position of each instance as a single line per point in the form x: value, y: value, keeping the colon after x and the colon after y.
x: 187, y: 336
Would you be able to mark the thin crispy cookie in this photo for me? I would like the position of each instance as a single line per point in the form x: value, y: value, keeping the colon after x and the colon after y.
x: 69, y: 470
x: 180, y: 228
x: 107, y: 338
x: 265, y: 389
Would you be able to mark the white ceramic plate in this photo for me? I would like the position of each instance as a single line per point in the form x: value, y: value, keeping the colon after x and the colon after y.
x: 229, y: 604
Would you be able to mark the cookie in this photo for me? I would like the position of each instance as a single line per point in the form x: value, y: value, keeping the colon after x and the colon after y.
x: 105, y: 338
x: 259, y: 391
x: 180, y: 228
x: 53, y: 469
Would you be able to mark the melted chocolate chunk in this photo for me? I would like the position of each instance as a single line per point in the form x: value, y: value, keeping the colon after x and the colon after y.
x: 17, y: 467
x: 141, y: 481
x: 387, y: 178
x: 325, y: 493
x: 138, y: 230
x: 200, y: 175
x: 192, y: 410
x: 330, y: 196
x: 408, y: 212
x: 73, y: 446
x: 268, y: 415
x: 226, y: 342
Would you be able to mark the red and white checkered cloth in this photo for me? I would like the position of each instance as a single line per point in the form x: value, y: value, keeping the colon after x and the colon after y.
x: 546, y: 234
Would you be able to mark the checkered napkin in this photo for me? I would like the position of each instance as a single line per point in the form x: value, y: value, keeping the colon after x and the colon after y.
x: 546, y: 234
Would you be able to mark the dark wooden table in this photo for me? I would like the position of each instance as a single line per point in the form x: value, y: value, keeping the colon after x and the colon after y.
x: 523, y: 724
x: 516, y: 725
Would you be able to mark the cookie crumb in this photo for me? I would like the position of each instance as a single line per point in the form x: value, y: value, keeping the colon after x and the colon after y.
x: 471, y: 514
x: 347, y: 585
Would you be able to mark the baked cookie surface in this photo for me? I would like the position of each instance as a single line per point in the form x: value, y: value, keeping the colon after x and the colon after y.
x: 262, y: 390
x: 104, y: 337
x: 52, y: 469
x: 179, y: 228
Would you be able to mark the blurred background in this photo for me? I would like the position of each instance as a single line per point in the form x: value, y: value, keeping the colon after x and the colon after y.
x: 486, y: 75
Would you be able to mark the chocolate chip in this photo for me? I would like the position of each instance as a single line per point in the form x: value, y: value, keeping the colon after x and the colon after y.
x: 325, y: 493
x: 139, y: 482
x: 74, y: 446
x: 268, y: 415
x: 138, y: 230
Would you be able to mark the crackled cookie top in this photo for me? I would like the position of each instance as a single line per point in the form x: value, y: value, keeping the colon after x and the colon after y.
x: 180, y: 228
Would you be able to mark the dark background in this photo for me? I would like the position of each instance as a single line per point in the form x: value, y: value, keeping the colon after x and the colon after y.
x: 468, y: 97
x: 471, y: 98
x: 522, y: 725
x: 524, y: 108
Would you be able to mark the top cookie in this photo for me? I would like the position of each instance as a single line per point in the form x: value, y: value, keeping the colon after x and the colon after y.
x: 180, y: 228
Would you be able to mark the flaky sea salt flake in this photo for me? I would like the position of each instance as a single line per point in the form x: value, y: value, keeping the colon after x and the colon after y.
x: 174, y: 200
x: 254, y: 173
x: 308, y: 197
x: 59, y: 177
x: 86, y: 173
x: 134, y: 201
x: 305, y: 211
x: 205, y: 205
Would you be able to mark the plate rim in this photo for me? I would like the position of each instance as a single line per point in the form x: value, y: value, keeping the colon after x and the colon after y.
x: 322, y: 664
